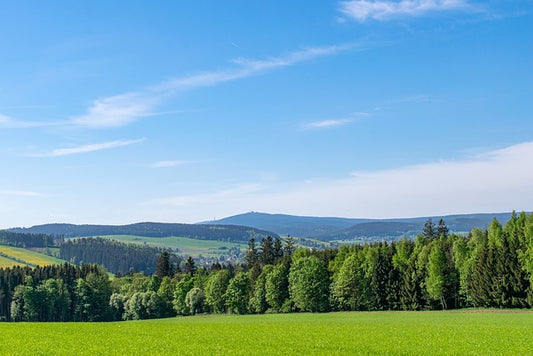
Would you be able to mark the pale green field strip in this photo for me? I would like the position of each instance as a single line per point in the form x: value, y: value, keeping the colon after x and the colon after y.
x: 30, y: 257
x: 186, y: 245
x: 354, y: 333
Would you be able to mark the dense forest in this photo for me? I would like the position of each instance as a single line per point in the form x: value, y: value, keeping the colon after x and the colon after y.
x: 54, y: 293
x: 25, y: 240
x: 228, y: 233
x: 117, y: 257
x: 437, y: 270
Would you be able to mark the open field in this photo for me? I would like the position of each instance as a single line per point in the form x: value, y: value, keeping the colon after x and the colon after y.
x: 7, y: 262
x: 354, y: 333
x: 186, y: 245
x: 20, y: 256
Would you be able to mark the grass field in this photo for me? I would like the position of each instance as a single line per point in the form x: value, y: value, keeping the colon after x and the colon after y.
x: 20, y: 256
x: 7, y: 262
x: 187, y: 246
x: 356, y: 333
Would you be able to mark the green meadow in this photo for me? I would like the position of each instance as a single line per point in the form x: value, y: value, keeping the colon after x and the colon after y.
x: 187, y: 246
x: 469, y: 332
x: 14, y: 256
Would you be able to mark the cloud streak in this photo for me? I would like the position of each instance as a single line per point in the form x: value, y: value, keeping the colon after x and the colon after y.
x: 327, y: 123
x: 123, y: 109
x: 11, y: 123
x: 382, y: 10
x: 166, y: 164
x: 496, y: 181
x: 116, y: 111
x: 88, y: 148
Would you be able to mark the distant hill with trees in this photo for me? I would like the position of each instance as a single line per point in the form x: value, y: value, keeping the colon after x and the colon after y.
x: 217, y: 232
x: 25, y: 239
x: 334, y: 228
x: 303, y: 226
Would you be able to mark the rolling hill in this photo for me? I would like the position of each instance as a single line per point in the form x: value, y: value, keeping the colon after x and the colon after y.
x: 14, y: 256
x: 218, y: 232
x: 304, y: 226
x: 331, y: 228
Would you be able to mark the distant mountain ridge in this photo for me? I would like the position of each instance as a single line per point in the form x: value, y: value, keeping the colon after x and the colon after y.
x: 302, y: 226
x: 218, y: 232
x: 332, y: 228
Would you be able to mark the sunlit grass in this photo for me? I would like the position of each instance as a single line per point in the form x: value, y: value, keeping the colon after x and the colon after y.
x: 356, y: 333
x: 29, y: 257
x: 6, y: 262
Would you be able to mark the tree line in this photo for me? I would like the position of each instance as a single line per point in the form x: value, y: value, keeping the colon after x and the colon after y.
x: 229, y: 233
x: 25, y: 240
x: 437, y: 270
x: 117, y: 257
x: 54, y: 293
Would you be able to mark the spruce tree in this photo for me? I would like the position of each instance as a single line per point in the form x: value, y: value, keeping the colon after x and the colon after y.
x: 442, y: 229
x: 164, y: 266
x: 251, y: 254
x: 266, y: 256
x: 429, y: 230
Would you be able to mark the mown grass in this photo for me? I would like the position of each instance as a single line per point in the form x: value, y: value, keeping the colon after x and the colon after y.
x: 355, y: 333
x: 23, y: 256
x: 186, y: 245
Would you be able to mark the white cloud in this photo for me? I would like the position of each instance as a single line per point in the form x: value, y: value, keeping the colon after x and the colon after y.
x: 88, y: 148
x: 164, y: 164
x: 116, y: 111
x: 500, y: 180
x: 327, y: 123
x: 248, y: 67
x: 362, y: 10
x: 11, y: 123
x: 123, y: 109
x: 22, y: 193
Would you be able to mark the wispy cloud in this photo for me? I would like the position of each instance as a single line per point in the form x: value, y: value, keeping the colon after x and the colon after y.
x: 249, y: 67
x: 88, y: 148
x: 327, y: 123
x: 11, y: 123
x: 381, y: 10
x: 495, y: 181
x: 116, y: 111
x: 165, y: 164
x: 123, y: 109
x: 22, y: 193
x: 126, y: 108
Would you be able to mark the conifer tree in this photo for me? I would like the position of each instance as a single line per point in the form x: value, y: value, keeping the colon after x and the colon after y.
x: 190, y: 266
x: 429, y: 230
x: 266, y: 256
x: 164, y: 266
x: 495, y: 233
x: 442, y: 229
x: 251, y: 254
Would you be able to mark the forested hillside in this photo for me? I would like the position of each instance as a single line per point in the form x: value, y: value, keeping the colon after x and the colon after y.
x: 202, y: 232
x: 25, y: 239
x: 438, y: 270
x: 117, y: 257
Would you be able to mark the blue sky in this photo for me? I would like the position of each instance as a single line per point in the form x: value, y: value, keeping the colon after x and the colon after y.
x: 126, y: 111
